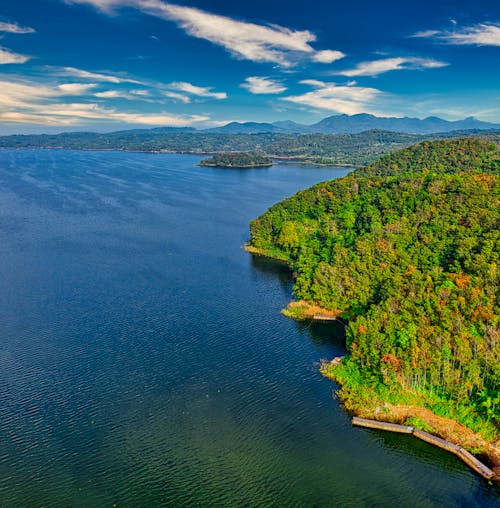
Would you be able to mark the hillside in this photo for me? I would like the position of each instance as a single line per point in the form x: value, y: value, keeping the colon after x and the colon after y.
x: 406, y: 251
x: 354, y: 149
x: 447, y: 156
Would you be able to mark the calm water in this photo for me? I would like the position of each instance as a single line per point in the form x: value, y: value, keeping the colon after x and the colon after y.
x: 144, y: 361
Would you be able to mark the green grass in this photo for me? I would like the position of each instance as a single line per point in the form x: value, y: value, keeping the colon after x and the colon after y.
x: 418, y: 423
x: 360, y: 392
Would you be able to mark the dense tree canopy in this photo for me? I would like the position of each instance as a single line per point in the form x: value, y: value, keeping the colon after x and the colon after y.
x: 468, y: 155
x: 238, y: 160
x: 408, y: 250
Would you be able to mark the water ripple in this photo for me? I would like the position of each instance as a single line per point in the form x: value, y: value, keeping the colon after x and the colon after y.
x: 144, y: 360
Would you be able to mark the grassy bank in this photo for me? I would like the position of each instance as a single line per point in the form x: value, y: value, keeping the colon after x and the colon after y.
x: 440, y: 416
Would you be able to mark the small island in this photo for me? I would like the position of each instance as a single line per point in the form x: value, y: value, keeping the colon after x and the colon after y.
x: 240, y: 160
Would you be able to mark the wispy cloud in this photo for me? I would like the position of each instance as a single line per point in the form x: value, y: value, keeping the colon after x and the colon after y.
x: 376, y: 67
x: 76, y: 88
x: 349, y: 99
x: 9, y: 57
x: 19, y: 94
x: 260, y: 85
x: 64, y: 115
x: 152, y: 91
x: 177, y: 96
x: 14, y: 28
x: 170, y: 90
x: 95, y: 76
x: 199, y: 91
x: 112, y: 94
x: 244, y: 40
x: 89, y: 111
x: 104, y: 5
x: 130, y: 95
x: 483, y: 34
x: 32, y: 102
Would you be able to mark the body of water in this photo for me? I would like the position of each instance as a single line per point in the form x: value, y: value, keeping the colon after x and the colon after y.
x: 144, y: 360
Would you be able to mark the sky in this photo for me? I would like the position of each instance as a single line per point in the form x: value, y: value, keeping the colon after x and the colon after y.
x: 113, y: 64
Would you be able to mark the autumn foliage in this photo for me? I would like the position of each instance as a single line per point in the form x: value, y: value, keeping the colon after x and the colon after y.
x: 408, y: 250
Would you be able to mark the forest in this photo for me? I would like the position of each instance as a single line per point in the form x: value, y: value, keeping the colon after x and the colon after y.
x: 238, y: 160
x: 353, y: 149
x: 406, y: 252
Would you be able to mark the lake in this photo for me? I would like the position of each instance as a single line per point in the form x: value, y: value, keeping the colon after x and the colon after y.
x: 144, y: 360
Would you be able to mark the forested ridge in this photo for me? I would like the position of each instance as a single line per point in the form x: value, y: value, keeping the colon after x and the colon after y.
x: 360, y: 148
x: 238, y: 160
x: 407, y: 251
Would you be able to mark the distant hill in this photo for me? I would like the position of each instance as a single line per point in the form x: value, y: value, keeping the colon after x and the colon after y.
x: 363, y: 122
x: 291, y: 127
x: 352, y: 124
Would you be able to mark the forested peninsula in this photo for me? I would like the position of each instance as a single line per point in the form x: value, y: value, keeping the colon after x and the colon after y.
x: 238, y: 160
x: 405, y: 251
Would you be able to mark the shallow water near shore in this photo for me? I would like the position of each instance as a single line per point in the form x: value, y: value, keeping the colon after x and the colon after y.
x: 144, y: 360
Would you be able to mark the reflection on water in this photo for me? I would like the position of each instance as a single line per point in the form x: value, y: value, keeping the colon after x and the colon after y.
x: 326, y: 334
x: 144, y: 360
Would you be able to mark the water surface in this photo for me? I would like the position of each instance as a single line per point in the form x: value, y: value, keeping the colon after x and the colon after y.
x: 144, y: 360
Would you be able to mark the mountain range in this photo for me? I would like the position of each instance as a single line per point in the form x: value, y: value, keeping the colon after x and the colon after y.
x: 351, y: 124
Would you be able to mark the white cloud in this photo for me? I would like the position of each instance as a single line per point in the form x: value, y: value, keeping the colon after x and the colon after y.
x: 377, y: 67
x: 110, y: 94
x: 103, y: 5
x: 90, y: 111
x: 426, y: 33
x: 131, y: 95
x: 14, y: 28
x: 9, y: 57
x: 348, y: 99
x: 153, y: 91
x: 76, y: 88
x: 327, y: 56
x: 484, y: 34
x: 199, y: 91
x: 250, y: 41
x: 21, y: 117
x: 260, y: 85
x: 21, y: 94
x: 155, y: 119
x: 177, y: 96
x: 96, y: 76
x: 74, y: 116
x: 33, y: 102
x: 313, y: 82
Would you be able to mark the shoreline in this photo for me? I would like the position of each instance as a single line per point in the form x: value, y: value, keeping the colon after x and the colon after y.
x: 301, y: 310
x: 258, y: 252
x: 419, y: 417
x: 253, y: 166
x: 283, y: 159
x: 460, y: 452
x: 277, y: 160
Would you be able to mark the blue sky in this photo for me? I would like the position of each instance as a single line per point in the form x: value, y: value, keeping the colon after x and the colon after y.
x: 112, y: 64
